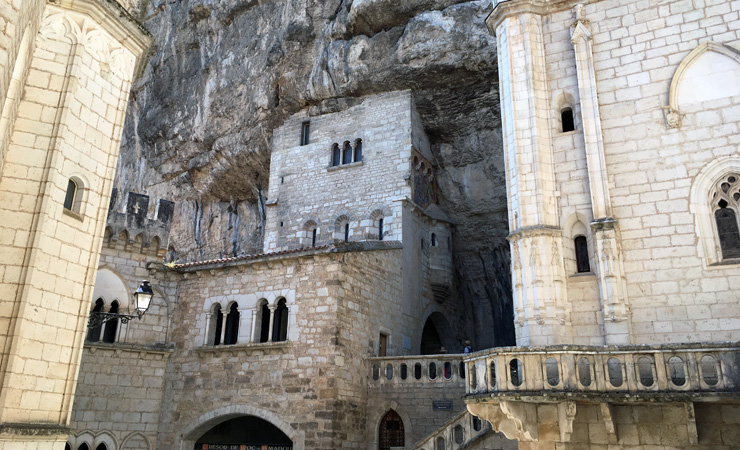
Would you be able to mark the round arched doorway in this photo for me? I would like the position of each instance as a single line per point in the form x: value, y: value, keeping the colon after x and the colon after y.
x: 244, y: 432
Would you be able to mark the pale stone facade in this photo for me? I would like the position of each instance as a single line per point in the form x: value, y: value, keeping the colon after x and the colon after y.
x: 67, y: 69
x: 647, y: 177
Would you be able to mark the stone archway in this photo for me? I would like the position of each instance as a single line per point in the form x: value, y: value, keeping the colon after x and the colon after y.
x: 391, y: 431
x: 209, y: 420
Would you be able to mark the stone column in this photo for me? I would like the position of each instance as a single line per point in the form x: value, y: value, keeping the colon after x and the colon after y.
x: 609, y: 265
x: 538, y: 274
x: 272, y: 321
x: 224, y: 317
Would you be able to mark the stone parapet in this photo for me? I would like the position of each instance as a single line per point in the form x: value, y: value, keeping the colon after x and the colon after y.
x: 416, y: 369
x: 622, y: 373
x: 133, y: 225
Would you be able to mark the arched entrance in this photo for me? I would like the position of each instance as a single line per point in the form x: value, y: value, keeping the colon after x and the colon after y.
x: 435, y: 335
x: 244, y: 431
x: 390, y: 431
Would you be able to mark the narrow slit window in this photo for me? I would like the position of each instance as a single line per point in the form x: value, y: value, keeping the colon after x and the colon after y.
x: 358, y: 150
x: 69, y: 199
x: 434, y: 240
x: 347, y: 153
x: 313, y: 238
x: 380, y: 229
x: 346, y: 232
x: 336, y: 155
x: 582, y: 263
x: 567, y: 117
x: 305, y: 130
x: 264, y: 323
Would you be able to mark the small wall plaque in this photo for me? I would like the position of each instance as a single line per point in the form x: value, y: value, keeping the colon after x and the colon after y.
x: 441, y: 405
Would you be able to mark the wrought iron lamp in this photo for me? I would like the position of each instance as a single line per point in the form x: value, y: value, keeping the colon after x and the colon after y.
x: 142, y: 299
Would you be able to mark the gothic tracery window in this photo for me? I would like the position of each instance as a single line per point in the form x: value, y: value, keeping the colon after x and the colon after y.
x: 725, y: 205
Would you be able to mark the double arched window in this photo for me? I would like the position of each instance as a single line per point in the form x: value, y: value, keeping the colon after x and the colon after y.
x: 109, y: 329
x: 225, y: 330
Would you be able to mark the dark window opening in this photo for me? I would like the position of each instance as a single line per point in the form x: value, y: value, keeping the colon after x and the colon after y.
x: 567, y: 117
x: 380, y: 229
x: 434, y: 240
x: 313, y: 238
x: 422, y: 243
x: 282, y: 180
x: 101, y: 447
x: 582, y: 263
x: 93, y: 333
x: 69, y: 199
x: 265, y: 323
x: 281, y: 224
x: 280, y: 322
x: 67, y: 447
x: 358, y: 150
x: 346, y: 232
x: 83, y: 447
x: 233, y: 433
x: 232, y: 325
x: 305, y: 130
x: 347, y: 153
x: 727, y: 229
x: 111, y: 327
x: 219, y: 325
x: 336, y: 155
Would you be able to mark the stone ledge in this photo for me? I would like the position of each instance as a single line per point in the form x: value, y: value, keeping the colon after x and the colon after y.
x: 343, y: 166
x: 616, y: 397
x: 129, y: 348
x: 33, y: 429
x: 246, y: 348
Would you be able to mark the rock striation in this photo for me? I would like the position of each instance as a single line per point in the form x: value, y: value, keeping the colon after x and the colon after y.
x: 226, y: 73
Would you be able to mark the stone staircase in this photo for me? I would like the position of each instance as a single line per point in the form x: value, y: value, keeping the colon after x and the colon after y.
x: 463, y: 429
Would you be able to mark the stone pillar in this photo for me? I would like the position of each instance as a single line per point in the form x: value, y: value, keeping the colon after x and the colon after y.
x: 609, y: 265
x: 538, y: 273
x: 71, y: 104
x: 272, y: 322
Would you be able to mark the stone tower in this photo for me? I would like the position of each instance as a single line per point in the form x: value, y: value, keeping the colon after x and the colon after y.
x: 67, y: 68
x: 622, y: 178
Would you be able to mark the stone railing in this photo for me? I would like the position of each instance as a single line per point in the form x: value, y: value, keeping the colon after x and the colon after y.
x: 686, y: 369
x: 417, y: 369
x: 456, y: 433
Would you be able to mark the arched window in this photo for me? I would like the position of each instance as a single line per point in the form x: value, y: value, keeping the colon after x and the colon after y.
x: 347, y: 153
x: 93, y: 333
x: 336, y: 155
x: 566, y: 115
x: 83, y: 447
x: 380, y: 229
x: 280, y: 322
x: 262, y: 331
x: 581, y: 246
x: 101, y: 447
x: 111, y: 327
x: 69, y: 199
x: 67, y: 447
x: 232, y: 325
x: 218, y: 320
x: 391, y: 431
x: 358, y: 150
x: 726, y: 202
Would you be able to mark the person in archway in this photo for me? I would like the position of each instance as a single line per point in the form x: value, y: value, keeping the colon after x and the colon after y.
x: 468, y: 348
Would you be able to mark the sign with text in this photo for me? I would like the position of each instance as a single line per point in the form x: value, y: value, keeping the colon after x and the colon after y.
x: 441, y: 404
x: 242, y: 447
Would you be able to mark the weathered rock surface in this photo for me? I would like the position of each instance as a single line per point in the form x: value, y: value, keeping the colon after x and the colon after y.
x: 226, y: 73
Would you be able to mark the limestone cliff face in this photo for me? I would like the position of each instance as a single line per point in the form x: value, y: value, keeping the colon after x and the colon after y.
x: 225, y: 73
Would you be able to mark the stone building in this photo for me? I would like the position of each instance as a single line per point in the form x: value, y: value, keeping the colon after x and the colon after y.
x: 285, y: 348
x: 620, y: 139
x: 67, y: 68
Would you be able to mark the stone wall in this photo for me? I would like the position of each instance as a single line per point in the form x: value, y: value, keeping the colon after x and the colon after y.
x: 304, y: 186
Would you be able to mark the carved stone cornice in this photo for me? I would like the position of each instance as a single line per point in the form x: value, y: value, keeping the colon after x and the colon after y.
x: 507, y: 8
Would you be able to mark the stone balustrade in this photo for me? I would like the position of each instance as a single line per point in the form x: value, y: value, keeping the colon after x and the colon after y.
x: 456, y: 433
x: 417, y: 369
x: 619, y: 371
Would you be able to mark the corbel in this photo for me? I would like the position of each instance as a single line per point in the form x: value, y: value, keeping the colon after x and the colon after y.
x: 691, y: 423
x: 566, y: 416
x: 607, y: 415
